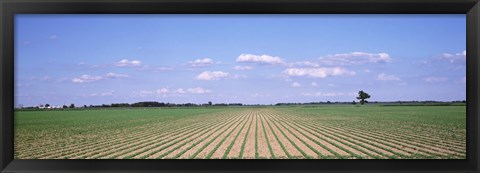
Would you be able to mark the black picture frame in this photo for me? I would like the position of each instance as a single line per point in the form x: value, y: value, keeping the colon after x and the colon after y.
x: 9, y: 8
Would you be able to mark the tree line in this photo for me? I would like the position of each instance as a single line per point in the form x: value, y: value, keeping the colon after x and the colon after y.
x: 362, y: 98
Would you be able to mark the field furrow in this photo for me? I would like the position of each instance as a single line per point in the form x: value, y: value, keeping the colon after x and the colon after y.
x: 276, y: 149
x: 181, y: 140
x: 237, y: 149
x: 197, y: 145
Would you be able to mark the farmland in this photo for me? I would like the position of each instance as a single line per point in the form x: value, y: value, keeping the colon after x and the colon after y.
x: 263, y: 132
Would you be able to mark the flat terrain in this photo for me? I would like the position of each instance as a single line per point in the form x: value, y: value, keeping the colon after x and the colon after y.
x: 270, y: 132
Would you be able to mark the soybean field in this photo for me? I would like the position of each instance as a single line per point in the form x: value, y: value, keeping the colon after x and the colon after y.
x: 263, y: 132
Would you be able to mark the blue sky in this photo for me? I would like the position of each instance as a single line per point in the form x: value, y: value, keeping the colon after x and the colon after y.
x: 251, y: 59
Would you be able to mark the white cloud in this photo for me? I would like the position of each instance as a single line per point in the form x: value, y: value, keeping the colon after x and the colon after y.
x: 318, y: 72
x: 86, y: 79
x: 211, y: 75
x: 296, y: 84
x: 162, y: 91
x: 385, y: 77
x: 435, y: 79
x: 165, y: 92
x: 260, y: 59
x: 314, y: 84
x: 201, y: 62
x: 307, y: 63
x: 53, y: 37
x: 367, y: 70
x: 243, y: 68
x: 331, y: 85
x: 127, y: 63
x: 115, y: 75
x: 198, y: 90
x: 355, y: 58
x: 180, y: 91
x: 154, y: 68
x: 453, y: 58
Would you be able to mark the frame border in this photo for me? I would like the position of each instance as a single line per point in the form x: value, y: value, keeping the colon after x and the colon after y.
x: 9, y: 8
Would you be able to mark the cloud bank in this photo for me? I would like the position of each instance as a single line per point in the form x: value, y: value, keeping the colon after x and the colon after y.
x: 211, y: 75
x: 318, y: 72
x: 259, y: 59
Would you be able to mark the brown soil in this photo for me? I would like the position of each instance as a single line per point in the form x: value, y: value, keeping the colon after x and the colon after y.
x: 223, y: 148
x: 405, y: 147
x: 263, y: 151
x: 169, y: 136
x: 204, y: 153
x: 249, y: 150
x: 295, y: 140
x: 207, y: 137
x: 297, y: 131
x: 277, y: 149
x: 235, y: 151
x: 328, y: 141
x: 288, y: 146
x: 172, y: 140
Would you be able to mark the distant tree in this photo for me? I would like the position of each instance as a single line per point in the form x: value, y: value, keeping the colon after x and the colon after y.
x: 362, y: 96
x: 84, y: 106
x: 65, y: 106
x: 47, y: 105
x: 210, y: 103
x: 72, y: 105
x: 354, y: 103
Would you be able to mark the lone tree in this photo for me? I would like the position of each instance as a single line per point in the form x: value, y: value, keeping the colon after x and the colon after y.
x: 362, y: 96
